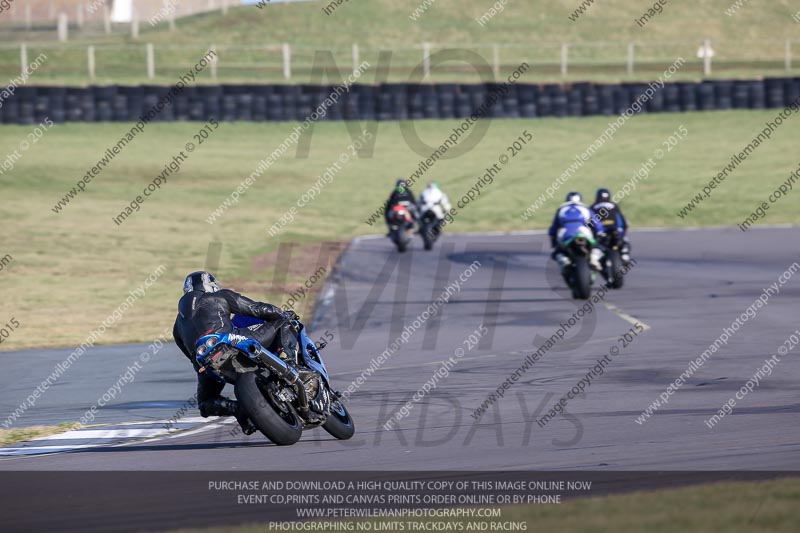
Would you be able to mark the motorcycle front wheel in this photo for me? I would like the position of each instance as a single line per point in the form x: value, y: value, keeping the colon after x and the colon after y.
x: 273, y: 417
x: 339, y: 423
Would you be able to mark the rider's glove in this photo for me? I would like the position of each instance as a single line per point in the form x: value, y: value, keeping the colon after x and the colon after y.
x: 291, y: 315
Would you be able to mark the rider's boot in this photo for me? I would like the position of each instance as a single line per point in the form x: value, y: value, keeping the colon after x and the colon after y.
x: 244, y: 421
x: 594, y: 259
x: 225, y: 407
x: 561, y: 259
x: 625, y: 254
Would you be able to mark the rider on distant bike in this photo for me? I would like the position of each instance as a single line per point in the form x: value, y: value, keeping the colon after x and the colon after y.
x: 571, y: 213
x: 607, y: 217
x: 401, y: 193
x: 433, y: 199
x: 206, y: 308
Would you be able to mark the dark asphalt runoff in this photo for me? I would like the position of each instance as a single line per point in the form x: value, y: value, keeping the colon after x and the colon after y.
x: 686, y: 287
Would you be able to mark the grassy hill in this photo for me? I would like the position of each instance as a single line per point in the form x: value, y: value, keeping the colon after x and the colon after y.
x: 382, y: 23
x: 749, y: 42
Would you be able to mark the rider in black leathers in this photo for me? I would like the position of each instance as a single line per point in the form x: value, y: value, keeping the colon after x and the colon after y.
x: 401, y: 193
x: 607, y: 216
x: 206, y: 308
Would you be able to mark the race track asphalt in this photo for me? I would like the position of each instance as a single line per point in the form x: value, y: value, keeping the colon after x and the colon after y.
x: 686, y: 286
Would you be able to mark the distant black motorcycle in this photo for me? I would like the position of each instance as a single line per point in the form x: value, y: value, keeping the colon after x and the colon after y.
x: 281, y: 398
x: 611, y: 243
x: 401, y: 225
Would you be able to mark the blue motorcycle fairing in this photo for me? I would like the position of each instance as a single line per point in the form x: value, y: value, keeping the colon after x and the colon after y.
x: 573, y: 229
x: 250, y: 347
x: 244, y: 321
x: 245, y: 344
x: 308, y: 360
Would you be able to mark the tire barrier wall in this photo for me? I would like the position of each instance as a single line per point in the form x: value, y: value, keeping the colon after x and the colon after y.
x: 398, y: 101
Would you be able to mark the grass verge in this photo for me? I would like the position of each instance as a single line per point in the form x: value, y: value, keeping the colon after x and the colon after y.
x: 10, y: 436
x: 71, y: 270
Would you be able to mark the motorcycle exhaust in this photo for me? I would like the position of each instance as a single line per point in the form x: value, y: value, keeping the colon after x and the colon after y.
x: 284, y: 371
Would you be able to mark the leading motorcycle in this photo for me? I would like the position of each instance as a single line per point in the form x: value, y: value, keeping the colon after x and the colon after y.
x: 575, y: 242
x: 280, y: 397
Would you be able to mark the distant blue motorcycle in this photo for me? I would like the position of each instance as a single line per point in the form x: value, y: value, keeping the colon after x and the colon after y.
x: 281, y: 398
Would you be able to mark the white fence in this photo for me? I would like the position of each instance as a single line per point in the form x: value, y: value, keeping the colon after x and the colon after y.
x: 283, y: 61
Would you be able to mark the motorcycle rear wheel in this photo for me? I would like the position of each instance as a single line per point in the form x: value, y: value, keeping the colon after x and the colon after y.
x: 276, y: 419
x: 615, y: 280
x: 400, y: 240
x: 582, y: 279
x: 427, y: 238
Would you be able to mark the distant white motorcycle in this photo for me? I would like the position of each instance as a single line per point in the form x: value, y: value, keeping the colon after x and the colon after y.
x: 433, y: 207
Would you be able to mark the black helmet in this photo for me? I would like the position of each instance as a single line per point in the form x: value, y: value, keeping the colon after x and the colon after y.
x: 200, y: 281
x: 573, y: 196
x: 603, y: 195
x: 401, y: 185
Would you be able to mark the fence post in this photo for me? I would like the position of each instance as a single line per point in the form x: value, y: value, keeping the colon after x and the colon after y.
x: 23, y: 58
x: 28, y: 17
x: 631, y: 47
x: 171, y: 18
x: 214, y: 62
x: 63, y: 27
x: 355, y: 58
x: 496, y: 60
x: 426, y: 59
x: 564, y: 58
x: 151, y: 62
x: 788, y: 54
x: 53, y: 14
x: 90, y: 60
x: 79, y: 15
x: 287, y: 61
x: 707, y: 57
x: 135, y: 25
x: 106, y: 19
x: 224, y: 7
